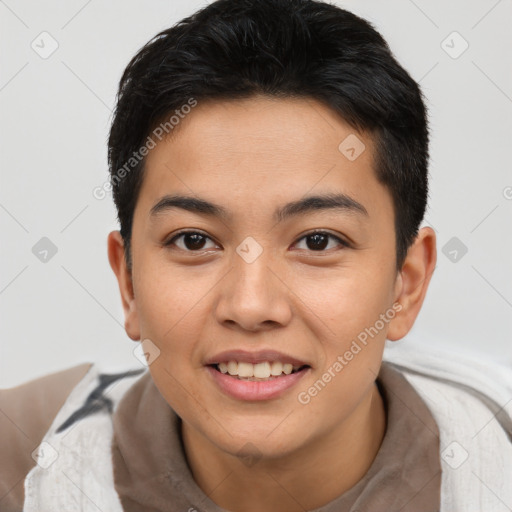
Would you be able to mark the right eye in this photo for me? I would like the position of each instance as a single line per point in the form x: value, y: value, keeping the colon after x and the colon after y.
x: 191, y: 241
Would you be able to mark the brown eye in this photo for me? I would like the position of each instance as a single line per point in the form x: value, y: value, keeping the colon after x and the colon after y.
x: 191, y: 241
x: 319, y: 241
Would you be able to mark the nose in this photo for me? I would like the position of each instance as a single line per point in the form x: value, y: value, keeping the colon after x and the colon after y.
x: 254, y: 296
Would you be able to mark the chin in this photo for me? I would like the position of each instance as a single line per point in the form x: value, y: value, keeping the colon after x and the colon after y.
x: 260, y: 443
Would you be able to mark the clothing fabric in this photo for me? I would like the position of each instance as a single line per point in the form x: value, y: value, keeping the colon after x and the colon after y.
x: 148, y: 471
x: 471, y: 401
x: 152, y: 473
x: 447, y: 444
x: 26, y: 413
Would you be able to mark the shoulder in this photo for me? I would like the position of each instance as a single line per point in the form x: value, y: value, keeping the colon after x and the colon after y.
x: 472, y: 372
x: 470, y: 399
x: 459, y: 378
x: 26, y: 413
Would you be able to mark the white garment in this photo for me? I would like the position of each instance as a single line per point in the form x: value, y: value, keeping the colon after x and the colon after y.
x: 74, y: 470
x: 471, y: 403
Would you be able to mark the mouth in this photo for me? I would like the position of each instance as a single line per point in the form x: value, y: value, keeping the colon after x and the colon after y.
x: 259, y: 380
x: 259, y: 372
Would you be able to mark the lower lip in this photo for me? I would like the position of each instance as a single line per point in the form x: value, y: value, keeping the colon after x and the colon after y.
x: 254, y: 390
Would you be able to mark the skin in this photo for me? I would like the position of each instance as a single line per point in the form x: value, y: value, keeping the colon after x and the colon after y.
x: 252, y: 156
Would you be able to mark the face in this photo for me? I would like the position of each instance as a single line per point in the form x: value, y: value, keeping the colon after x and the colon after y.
x: 257, y: 281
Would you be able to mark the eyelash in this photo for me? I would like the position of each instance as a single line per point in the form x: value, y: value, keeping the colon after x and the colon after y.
x: 170, y: 242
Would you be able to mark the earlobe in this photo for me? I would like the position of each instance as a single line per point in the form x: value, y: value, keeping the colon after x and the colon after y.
x: 124, y: 278
x: 412, y: 282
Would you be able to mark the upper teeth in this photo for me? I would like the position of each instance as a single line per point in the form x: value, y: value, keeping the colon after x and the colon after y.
x: 260, y: 370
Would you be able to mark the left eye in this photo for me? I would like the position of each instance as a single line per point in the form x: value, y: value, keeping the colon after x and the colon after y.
x: 193, y: 241
x: 320, y: 240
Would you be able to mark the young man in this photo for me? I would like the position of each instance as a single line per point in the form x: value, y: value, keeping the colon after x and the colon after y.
x: 269, y: 166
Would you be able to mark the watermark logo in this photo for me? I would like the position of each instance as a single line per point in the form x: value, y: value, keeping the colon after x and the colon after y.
x: 146, y: 352
x: 249, y: 250
x: 45, y: 455
x: 249, y: 454
x: 454, y: 45
x: 44, y: 250
x: 454, y: 250
x: 351, y: 147
x: 454, y: 455
x: 45, y: 45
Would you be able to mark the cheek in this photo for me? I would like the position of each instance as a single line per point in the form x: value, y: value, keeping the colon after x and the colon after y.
x: 170, y: 309
x: 173, y: 382
x: 352, y: 344
x: 348, y: 305
x: 168, y: 300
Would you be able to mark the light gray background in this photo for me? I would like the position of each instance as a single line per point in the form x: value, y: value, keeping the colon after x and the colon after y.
x: 55, y: 115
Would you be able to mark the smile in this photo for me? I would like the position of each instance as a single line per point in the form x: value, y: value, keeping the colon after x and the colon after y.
x: 261, y: 381
x: 260, y: 371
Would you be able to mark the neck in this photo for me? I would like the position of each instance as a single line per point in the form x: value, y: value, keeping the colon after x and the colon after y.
x: 301, y: 480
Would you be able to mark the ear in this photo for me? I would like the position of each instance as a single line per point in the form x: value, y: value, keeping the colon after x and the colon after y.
x: 118, y: 263
x: 412, y: 282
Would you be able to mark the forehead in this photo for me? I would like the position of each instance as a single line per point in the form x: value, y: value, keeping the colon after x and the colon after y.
x: 261, y: 150
x: 289, y: 129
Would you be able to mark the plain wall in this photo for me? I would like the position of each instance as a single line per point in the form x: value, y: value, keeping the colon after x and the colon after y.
x: 55, y: 116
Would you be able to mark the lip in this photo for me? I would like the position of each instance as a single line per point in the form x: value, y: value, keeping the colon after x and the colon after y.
x: 256, y: 357
x: 252, y: 390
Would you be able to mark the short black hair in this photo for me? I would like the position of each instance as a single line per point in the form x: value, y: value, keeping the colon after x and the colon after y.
x: 235, y: 49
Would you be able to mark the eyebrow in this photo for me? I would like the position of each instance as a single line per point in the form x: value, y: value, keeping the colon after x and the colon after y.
x: 340, y: 202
